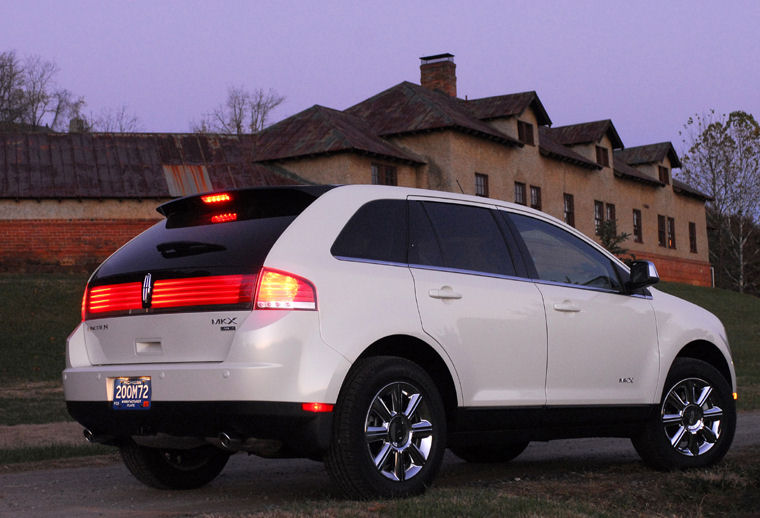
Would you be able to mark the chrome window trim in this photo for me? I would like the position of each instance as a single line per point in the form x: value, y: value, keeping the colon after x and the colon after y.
x: 487, y: 274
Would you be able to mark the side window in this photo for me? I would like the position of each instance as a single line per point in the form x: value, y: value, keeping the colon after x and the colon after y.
x: 561, y: 257
x: 457, y: 236
x: 377, y: 232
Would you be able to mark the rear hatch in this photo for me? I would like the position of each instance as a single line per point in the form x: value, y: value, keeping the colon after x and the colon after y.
x: 179, y: 291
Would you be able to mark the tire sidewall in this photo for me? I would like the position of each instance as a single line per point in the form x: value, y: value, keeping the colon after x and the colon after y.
x: 364, y: 383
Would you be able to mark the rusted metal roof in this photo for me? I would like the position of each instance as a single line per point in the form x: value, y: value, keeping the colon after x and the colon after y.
x: 510, y: 105
x: 549, y: 147
x: 320, y: 131
x: 623, y: 170
x: 409, y: 108
x: 649, y: 154
x: 587, y: 132
x: 119, y: 165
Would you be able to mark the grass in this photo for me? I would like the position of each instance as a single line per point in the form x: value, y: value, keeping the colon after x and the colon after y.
x: 37, y: 313
x: 740, y: 315
x: 52, y: 452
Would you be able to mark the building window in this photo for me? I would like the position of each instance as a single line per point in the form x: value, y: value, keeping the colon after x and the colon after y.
x: 384, y: 175
x: 535, y: 197
x: 598, y: 214
x: 671, y: 233
x: 602, y: 156
x: 692, y: 237
x: 481, y: 185
x: 661, y: 240
x: 525, y: 133
x: 637, y: 232
x: 569, y: 212
x: 520, y: 193
x: 611, y: 216
x: 664, y: 175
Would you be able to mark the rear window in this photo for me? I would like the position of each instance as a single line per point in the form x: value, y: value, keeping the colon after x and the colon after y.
x: 377, y: 232
x: 218, y: 238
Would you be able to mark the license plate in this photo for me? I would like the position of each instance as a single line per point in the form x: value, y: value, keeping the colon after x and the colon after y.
x: 131, y: 393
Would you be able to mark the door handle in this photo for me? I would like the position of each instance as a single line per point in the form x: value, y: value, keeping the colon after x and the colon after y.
x: 567, y: 306
x: 444, y: 293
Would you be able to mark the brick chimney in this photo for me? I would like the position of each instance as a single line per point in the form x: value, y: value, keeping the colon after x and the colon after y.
x: 439, y: 73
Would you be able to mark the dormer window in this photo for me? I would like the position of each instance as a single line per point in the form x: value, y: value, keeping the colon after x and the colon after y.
x: 602, y: 156
x: 525, y: 133
x: 664, y: 175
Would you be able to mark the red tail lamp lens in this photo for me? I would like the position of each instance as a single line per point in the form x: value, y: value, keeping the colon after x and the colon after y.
x: 317, y: 407
x: 223, y: 218
x: 215, y: 198
x: 203, y: 291
x: 281, y: 290
x: 115, y: 297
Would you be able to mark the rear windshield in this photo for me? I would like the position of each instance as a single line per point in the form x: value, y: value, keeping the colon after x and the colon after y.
x: 217, y: 239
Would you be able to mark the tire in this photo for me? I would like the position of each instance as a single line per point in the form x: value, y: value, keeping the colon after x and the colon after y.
x: 173, y: 469
x: 696, y: 421
x: 489, y: 453
x: 389, y: 430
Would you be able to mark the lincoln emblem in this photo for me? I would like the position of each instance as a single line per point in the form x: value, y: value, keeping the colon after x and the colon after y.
x: 147, y: 289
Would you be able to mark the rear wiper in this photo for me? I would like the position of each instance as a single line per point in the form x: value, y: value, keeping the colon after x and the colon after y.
x: 174, y: 249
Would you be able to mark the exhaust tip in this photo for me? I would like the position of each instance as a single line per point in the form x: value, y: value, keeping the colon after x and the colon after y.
x: 88, y: 435
x: 225, y: 440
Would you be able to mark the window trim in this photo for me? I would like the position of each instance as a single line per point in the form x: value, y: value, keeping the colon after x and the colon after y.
x: 692, y: 237
x: 602, y: 156
x: 671, y: 233
x: 535, y: 189
x: 664, y: 174
x: 483, y: 182
x: 379, y: 171
x: 662, y: 239
x: 567, y: 197
x: 525, y: 133
x: 522, y: 189
x: 638, y: 233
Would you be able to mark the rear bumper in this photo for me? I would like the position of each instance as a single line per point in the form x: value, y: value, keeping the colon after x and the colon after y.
x: 304, y: 433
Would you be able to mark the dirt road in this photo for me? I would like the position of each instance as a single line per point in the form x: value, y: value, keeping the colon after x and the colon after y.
x: 252, y: 484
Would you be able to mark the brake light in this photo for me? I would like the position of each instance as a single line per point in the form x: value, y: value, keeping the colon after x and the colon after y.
x: 215, y: 198
x: 282, y: 290
x: 115, y: 297
x: 317, y: 407
x: 223, y: 218
x: 203, y: 291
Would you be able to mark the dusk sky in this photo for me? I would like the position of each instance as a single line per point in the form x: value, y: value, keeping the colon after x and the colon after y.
x: 647, y: 65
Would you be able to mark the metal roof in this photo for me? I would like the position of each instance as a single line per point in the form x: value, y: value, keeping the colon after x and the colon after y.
x: 119, y: 165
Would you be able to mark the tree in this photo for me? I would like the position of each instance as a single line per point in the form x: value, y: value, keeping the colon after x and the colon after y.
x: 242, y: 112
x: 114, y: 121
x: 722, y: 159
x: 29, y: 94
x: 610, y: 239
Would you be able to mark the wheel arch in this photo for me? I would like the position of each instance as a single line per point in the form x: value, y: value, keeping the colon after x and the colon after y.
x: 708, y: 353
x: 421, y: 353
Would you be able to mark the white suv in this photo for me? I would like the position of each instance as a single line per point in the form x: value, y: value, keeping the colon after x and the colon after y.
x: 373, y: 327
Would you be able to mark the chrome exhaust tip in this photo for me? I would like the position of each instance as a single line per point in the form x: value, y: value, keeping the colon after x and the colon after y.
x: 88, y: 435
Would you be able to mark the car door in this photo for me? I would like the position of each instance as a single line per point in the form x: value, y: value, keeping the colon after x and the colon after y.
x: 602, y: 342
x: 490, y: 323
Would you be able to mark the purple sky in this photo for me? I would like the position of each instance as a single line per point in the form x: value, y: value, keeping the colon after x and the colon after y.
x: 647, y: 65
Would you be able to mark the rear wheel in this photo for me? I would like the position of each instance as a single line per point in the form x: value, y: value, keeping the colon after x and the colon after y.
x: 173, y: 469
x: 501, y: 452
x: 696, y: 420
x: 389, y: 431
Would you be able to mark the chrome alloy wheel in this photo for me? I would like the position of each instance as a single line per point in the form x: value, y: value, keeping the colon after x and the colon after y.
x: 398, y: 431
x: 691, y: 417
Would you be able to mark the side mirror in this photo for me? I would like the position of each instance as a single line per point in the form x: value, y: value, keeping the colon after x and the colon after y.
x: 643, y: 274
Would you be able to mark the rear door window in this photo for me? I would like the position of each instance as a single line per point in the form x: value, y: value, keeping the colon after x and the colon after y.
x: 459, y: 237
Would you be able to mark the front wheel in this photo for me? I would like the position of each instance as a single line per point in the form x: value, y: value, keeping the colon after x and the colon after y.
x: 173, y: 469
x: 389, y: 431
x: 696, y: 421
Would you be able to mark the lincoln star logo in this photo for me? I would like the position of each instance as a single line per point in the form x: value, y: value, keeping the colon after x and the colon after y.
x: 147, y: 291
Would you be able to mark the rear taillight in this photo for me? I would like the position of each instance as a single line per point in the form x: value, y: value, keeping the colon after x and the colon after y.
x: 114, y: 297
x: 233, y: 291
x: 282, y: 290
x: 224, y: 217
x: 203, y: 291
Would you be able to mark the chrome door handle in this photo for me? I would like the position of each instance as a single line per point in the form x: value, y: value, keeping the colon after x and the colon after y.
x: 567, y: 307
x: 444, y: 293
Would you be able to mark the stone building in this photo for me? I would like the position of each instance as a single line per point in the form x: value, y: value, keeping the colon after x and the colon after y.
x: 71, y: 199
